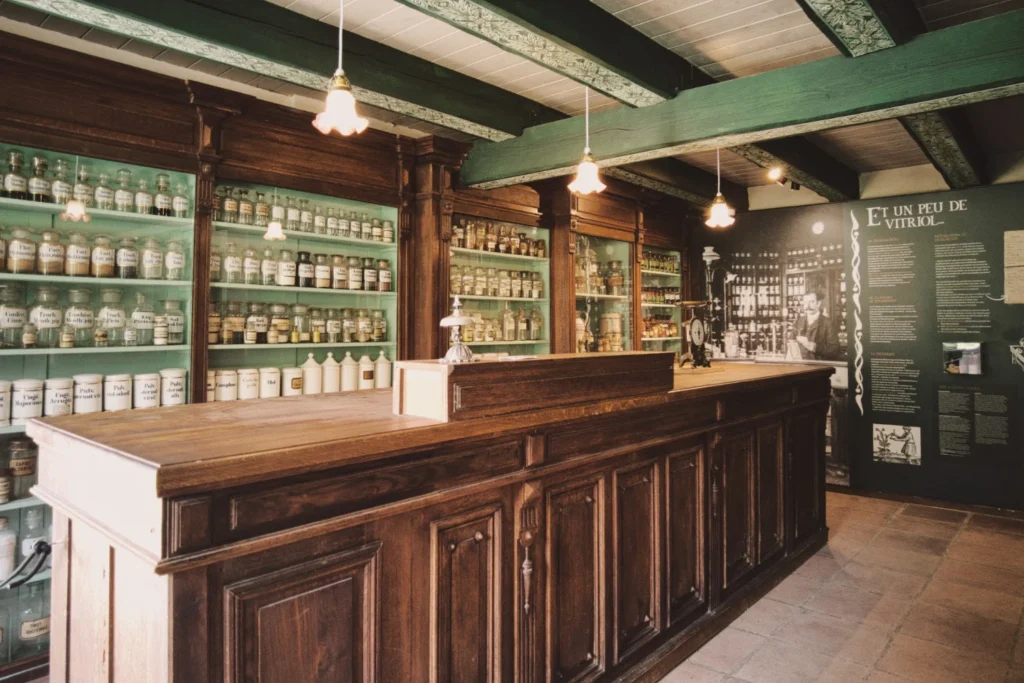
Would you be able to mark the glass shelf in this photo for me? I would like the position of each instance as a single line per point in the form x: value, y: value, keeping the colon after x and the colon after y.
x: 310, y: 345
x: 659, y: 273
x: 22, y: 205
x: 496, y: 256
x: 661, y: 339
x: 105, y: 349
x: 295, y: 235
x: 509, y: 343
x: 662, y: 322
x: 107, y: 281
x: 603, y: 285
x: 27, y: 502
x: 304, y: 290
x: 470, y: 297
x: 603, y: 297
x: 645, y: 305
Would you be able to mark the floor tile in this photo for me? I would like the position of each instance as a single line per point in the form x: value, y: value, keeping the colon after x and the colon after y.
x: 981, y: 576
x: 688, y: 672
x: 988, y: 604
x: 1016, y: 674
x: 880, y: 580
x: 819, y: 568
x: 924, y: 527
x: 906, y: 561
x: 835, y: 637
x: 934, y: 514
x: 727, y: 651
x: 883, y: 677
x: 842, y: 549
x: 915, y: 543
x: 966, y: 632
x: 857, y: 606
x: 927, y: 662
x: 853, y: 532
x: 990, y: 553
x: 992, y: 523
x: 994, y: 538
x: 843, y: 671
x: 795, y: 590
x: 782, y: 663
x: 765, y: 616
x: 864, y: 518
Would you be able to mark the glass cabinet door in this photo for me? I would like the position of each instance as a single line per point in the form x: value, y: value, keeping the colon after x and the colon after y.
x: 501, y: 274
x: 661, y: 280
x: 604, y: 283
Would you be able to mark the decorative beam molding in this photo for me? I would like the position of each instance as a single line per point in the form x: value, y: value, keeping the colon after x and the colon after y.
x: 860, y: 27
x: 973, y: 62
x: 266, y: 39
x: 950, y: 145
x: 806, y: 164
x: 677, y: 179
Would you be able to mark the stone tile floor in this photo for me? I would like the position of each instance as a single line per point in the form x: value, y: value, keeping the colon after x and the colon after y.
x: 902, y: 593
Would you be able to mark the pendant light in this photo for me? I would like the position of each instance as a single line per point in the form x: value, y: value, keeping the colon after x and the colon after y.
x: 340, y: 112
x: 586, y: 180
x: 720, y: 215
x: 274, y: 232
x: 74, y: 210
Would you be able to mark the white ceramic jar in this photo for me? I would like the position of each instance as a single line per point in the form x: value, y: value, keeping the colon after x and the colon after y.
x: 5, y: 403
x: 349, y: 373
x: 117, y: 393
x: 270, y: 382
x: 172, y: 387
x: 248, y: 383
x: 365, y: 373
x: 331, y: 375
x: 147, y: 390
x: 226, y: 385
x: 57, y: 393
x: 26, y: 400
x: 382, y: 372
x: 88, y: 394
x: 312, y: 376
x: 291, y: 381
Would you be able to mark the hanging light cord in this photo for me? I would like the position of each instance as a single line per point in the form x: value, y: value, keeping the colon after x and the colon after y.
x: 586, y: 118
x: 718, y: 158
x: 341, y: 29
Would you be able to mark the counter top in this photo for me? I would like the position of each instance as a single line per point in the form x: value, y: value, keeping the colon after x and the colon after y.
x: 224, y: 444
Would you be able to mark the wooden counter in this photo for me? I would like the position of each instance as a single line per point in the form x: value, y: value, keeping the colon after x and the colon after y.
x: 323, y: 539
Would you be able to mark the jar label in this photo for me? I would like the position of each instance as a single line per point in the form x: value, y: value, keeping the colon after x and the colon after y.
x: 334, y: 326
x: 103, y: 256
x: 30, y: 630
x: 76, y: 253
x: 179, y: 204
x: 277, y: 211
x: 369, y: 275
x: 151, y: 258
x: 268, y: 267
x: 45, y: 318
x: 39, y: 186
x: 175, y: 322
x: 364, y: 325
x: 27, y: 403
x: 367, y: 374
x: 293, y: 215
x: 127, y: 258
x: 245, y: 208
x: 131, y: 336
x: 83, y: 193
x: 306, y: 270
x: 124, y: 197
x: 296, y: 383
x: 385, y: 276
x: 23, y: 467
x: 5, y: 497
x: 15, y: 183
x: 286, y: 270
x: 306, y: 217
x: 262, y: 210
x: 340, y: 273
x: 104, y: 195
x: 323, y: 273
x: 230, y: 205
x: 51, y: 253
x: 214, y: 264
x: 11, y: 317
x: 319, y: 221
x: 58, y: 402
x: 173, y: 392
x: 79, y: 318
x: 143, y: 200
x: 250, y: 266
x: 232, y: 264
x: 21, y: 250
x: 111, y: 318
x: 174, y: 260
x: 164, y: 202
x: 259, y: 323
x: 143, y: 319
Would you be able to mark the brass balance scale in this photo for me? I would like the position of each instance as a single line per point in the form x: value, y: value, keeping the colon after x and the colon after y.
x: 696, y: 334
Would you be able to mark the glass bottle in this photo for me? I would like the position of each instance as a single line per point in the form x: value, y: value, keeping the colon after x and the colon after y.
x: 261, y: 211
x: 174, y: 261
x: 152, y: 260
x: 45, y: 313
x: 218, y: 204
x: 389, y: 231
x: 369, y: 274
x: 536, y: 325
x: 126, y: 263
x: 305, y: 270
x: 50, y: 254
x: 376, y: 230
x: 104, y: 194
x: 61, y: 187
x: 380, y: 327
x: 79, y: 319
x: 232, y: 268
x: 364, y: 326
x: 365, y: 227
x: 344, y: 224
x: 144, y: 198
x: 280, y: 328
x: 300, y: 333
x: 103, y: 257
x: 163, y: 203
x: 319, y: 221
x: 305, y: 216
x: 213, y: 323
x: 333, y: 326
x: 348, y: 326
x: 175, y: 321
x: 216, y: 265
x: 33, y: 624
x: 292, y: 215
x: 110, y: 320
x: 21, y: 252
x: 321, y: 271
x: 257, y: 322
x: 39, y: 188
x: 268, y: 267
x: 277, y: 211
x: 332, y: 221
x: 383, y: 275
x: 250, y: 266
x: 84, y: 192
x: 522, y: 326
x: 508, y: 323
x: 246, y: 210
x: 15, y: 183
x: 317, y: 325
x: 180, y: 203
x: 124, y: 197
x: 12, y: 316
x: 143, y: 320
x: 355, y: 272
x: 233, y: 327
x: 286, y: 269
x: 76, y: 255
x: 230, y: 210
x: 339, y: 272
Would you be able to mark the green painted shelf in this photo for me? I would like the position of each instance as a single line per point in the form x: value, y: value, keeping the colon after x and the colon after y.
x: 7, y: 204
x: 12, y: 429
x: 106, y: 349
x: 18, y: 504
x: 277, y: 347
x: 304, y: 290
x: 497, y: 256
x: 660, y: 273
x: 509, y: 343
x: 522, y: 300
x: 661, y: 339
x: 109, y: 281
x: 41, y: 576
x: 605, y: 297
x: 294, y: 235
x: 644, y: 305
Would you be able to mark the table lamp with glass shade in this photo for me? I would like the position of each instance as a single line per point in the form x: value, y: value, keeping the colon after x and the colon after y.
x: 458, y: 352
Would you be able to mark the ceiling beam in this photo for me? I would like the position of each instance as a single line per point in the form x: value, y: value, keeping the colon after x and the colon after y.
x: 946, y: 138
x: 266, y: 39
x: 676, y: 179
x: 973, y: 62
x: 803, y: 162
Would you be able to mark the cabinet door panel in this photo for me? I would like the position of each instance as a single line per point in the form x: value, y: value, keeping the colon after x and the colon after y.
x: 465, y: 597
x: 807, y: 453
x: 685, y: 544
x: 575, y: 591
x: 736, y: 453
x: 314, y: 622
x: 770, y: 501
x: 635, y: 564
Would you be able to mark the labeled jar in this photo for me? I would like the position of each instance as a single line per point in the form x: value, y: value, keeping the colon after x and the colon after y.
x: 332, y: 221
x: 305, y: 216
x: 300, y: 332
x: 180, y: 203
x: 388, y: 232
x: 229, y: 206
x: 76, y: 255
x: 45, y: 313
x: 144, y: 198
x: 103, y: 257
x: 5, y: 403
x: 143, y: 320
x: 321, y: 272
x: 174, y: 261
x: 261, y: 211
x: 88, y: 394
x: 339, y: 272
x: 39, y: 188
x: 152, y: 260
x: 355, y: 272
x: 117, y: 393
x: 383, y: 275
x: 124, y: 197
x: 232, y: 265
x: 333, y: 326
x: 172, y: 387
x: 369, y: 274
x: 159, y: 330
x: 248, y: 384
x: 317, y: 325
x: 305, y: 269
x: 376, y: 231
x: 57, y: 396
x: 21, y: 252
x: 257, y: 322
x: 110, y: 321
x: 163, y: 204
x: 50, y: 254
x: 364, y: 326
x: 175, y: 321
x: 22, y: 459
x: 251, y: 266
x: 227, y: 385
x: 62, y: 189
x: 104, y: 194
x: 280, y: 328
x: 126, y: 262
x: 12, y: 316
x: 26, y: 400
x: 211, y: 386
x: 286, y: 269
x: 319, y: 221
x: 380, y: 327
x: 348, y: 326
x: 246, y: 210
x: 146, y: 391
x: 291, y: 381
x: 79, y: 320
x: 216, y: 265
x: 268, y: 268
x: 365, y: 228
x: 270, y: 382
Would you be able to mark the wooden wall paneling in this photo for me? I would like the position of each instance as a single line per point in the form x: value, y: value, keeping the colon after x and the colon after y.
x: 528, y: 606
x: 514, y: 204
x: 191, y: 640
x: 771, y: 470
x: 406, y: 275
x: 686, y: 558
x: 558, y: 215
x: 806, y: 478
x: 734, y: 500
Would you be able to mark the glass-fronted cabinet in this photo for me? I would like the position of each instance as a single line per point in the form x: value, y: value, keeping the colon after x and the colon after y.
x: 660, y: 294
x: 604, y: 294
x: 501, y: 273
x: 96, y: 263
x: 319, y: 303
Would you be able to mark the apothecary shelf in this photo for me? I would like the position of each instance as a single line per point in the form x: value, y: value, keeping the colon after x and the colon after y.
x: 304, y: 290
x: 308, y: 236
x: 522, y: 300
x: 496, y: 255
x: 25, y: 205
x: 55, y: 351
x: 304, y: 345
x: 527, y: 342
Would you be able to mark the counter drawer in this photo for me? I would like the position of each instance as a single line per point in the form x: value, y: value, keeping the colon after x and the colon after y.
x: 738, y: 406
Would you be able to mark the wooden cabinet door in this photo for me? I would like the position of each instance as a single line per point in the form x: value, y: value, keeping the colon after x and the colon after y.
x: 736, y: 506
x: 574, y: 580
x: 635, y: 562
x: 315, y: 622
x: 771, y: 510
x: 807, y: 480
x: 685, y: 537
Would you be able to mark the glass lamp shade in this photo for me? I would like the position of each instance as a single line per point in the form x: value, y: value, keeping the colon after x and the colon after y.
x: 721, y: 214
x: 274, y: 232
x: 75, y: 211
x: 340, y: 112
x: 586, y: 180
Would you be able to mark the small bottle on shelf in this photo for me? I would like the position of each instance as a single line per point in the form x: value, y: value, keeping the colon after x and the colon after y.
x: 110, y: 321
x: 79, y: 320
x: 292, y: 215
x: 230, y: 210
x: 261, y: 211
x: 180, y: 204
x: 163, y: 203
x: 15, y: 185
x: 232, y: 265
x: 104, y: 194
x: 250, y: 266
x: 61, y: 187
x: 124, y: 197
x: 143, y: 320
x: 246, y: 210
x: 84, y: 192
x: 305, y: 216
x: 268, y: 267
x: 144, y: 198
x: 175, y: 321
x: 287, y: 269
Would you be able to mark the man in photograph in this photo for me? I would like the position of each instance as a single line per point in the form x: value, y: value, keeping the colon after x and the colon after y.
x: 816, y: 335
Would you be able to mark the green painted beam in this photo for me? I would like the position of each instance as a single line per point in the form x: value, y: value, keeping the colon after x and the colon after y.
x: 973, y: 62
x: 860, y: 27
x: 267, y: 39
x: 677, y: 179
x: 947, y: 140
x: 806, y: 164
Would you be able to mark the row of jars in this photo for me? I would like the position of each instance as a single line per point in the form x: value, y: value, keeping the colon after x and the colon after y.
x: 235, y: 206
x: 311, y: 377
x: 25, y: 399
x: 511, y: 326
x: 500, y: 239
x: 660, y: 295
x: 23, y: 254
x: 47, y: 323
x: 303, y: 269
x: 256, y: 322
x: 658, y: 326
x: 62, y: 186
x: 662, y: 263
x: 594, y: 277
x: 510, y: 284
